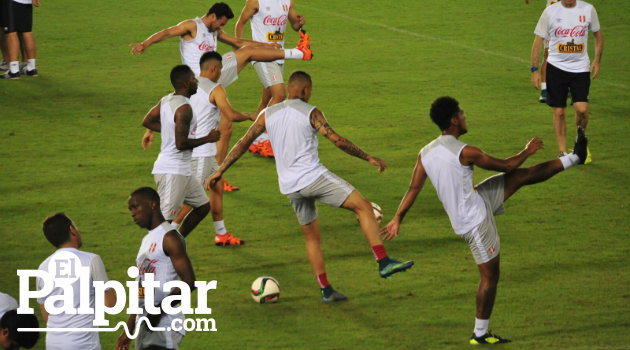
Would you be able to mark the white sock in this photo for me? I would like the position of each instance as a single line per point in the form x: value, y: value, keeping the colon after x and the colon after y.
x: 219, y: 228
x: 293, y: 54
x: 569, y: 160
x: 31, y: 64
x: 175, y: 224
x: 14, y: 67
x: 543, y: 86
x: 481, y: 327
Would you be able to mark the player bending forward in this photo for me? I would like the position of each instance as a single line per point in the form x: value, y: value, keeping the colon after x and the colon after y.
x: 449, y: 163
x: 293, y: 126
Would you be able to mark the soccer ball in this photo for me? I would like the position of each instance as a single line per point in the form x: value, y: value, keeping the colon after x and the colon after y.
x: 378, y: 212
x: 265, y: 290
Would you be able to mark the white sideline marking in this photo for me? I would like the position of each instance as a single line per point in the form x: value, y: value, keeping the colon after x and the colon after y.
x: 450, y: 42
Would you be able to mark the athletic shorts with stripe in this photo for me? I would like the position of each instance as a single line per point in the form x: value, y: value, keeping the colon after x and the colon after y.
x: 175, y: 190
x: 229, y: 73
x: 270, y: 73
x: 328, y: 188
x: 484, y: 239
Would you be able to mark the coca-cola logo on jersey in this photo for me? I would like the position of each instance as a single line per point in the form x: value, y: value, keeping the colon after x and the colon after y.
x: 147, y: 266
x: 275, y: 21
x: 574, y: 32
x: 205, y: 47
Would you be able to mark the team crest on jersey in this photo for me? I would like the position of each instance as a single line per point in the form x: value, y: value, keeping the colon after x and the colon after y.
x: 152, y: 247
x: 277, y: 36
x: 582, y: 19
x: 570, y: 47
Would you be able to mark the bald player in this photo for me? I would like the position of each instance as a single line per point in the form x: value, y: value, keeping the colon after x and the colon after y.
x: 293, y: 126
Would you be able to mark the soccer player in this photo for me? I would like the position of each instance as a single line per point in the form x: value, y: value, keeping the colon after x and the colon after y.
x: 449, y: 163
x: 16, y: 16
x: 213, y: 110
x: 269, y: 23
x: 293, y: 126
x: 566, y: 25
x: 10, y: 321
x: 173, y: 117
x: 62, y: 233
x: 163, y: 253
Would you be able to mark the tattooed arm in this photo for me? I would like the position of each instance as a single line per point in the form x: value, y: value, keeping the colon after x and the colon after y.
x: 319, y: 122
x: 257, y: 128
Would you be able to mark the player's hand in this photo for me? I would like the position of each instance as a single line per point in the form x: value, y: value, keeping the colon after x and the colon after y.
x: 212, y: 180
x: 390, y: 230
x: 594, y: 69
x: 534, y: 145
x: 137, y: 48
x: 36, y: 3
x: 147, y: 139
x: 214, y: 135
x: 536, y: 79
x: 123, y: 342
x: 377, y: 162
x: 251, y: 116
x: 301, y: 21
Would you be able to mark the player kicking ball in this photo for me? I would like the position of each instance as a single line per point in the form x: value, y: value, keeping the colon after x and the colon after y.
x: 293, y: 126
x: 449, y: 163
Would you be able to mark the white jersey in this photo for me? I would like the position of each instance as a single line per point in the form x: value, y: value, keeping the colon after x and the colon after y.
x: 567, y: 31
x: 7, y: 303
x: 294, y: 142
x: 171, y: 160
x: 71, y: 340
x: 192, y: 50
x: 152, y: 259
x: 269, y: 24
x: 453, y: 183
x: 207, y: 114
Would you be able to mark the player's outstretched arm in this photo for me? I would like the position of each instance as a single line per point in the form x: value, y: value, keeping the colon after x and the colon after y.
x: 296, y: 19
x: 187, y: 27
x: 319, y: 122
x: 250, y: 9
x: 183, y: 117
x: 473, y: 155
x: 418, y: 179
x: 255, y: 130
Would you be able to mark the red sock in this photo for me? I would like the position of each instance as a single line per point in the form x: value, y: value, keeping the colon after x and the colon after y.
x: 379, y: 252
x: 322, y: 280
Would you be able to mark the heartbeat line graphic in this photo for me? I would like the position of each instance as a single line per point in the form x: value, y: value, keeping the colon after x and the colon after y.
x: 112, y: 329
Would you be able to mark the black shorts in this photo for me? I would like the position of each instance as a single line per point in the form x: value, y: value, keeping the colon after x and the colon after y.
x: 559, y: 82
x: 16, y: 17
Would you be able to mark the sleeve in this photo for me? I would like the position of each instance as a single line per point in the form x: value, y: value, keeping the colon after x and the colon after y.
x: 40, y: 283
x: 7, y: 303
x: 594, y: 25
x: 542, y: 28
x: 97, y: 270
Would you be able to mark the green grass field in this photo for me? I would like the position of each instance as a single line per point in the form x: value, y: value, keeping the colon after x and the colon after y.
x: 70, y: 141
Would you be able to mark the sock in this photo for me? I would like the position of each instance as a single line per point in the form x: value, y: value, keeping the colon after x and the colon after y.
x: 543, y: 86
x: 31, y: 64
x: 293, y: 54
x: 481, y: 327
x: 322, y: 280
x: 14, y: 66
x: 219, y: 228
x: 569, y: 160
x: 327, y: 291
x: 175, y: 224
x: 379, y: 252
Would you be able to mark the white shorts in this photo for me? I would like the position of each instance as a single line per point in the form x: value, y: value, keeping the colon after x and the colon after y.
x: 484, y: 239
x: 202, y: 167
x: 175, y: 190
x: 229, y: 73
x: 270, y: 73
x: 328, y: 188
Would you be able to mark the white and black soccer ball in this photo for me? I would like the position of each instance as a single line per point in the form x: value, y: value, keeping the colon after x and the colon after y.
x: 378, y: 212
x: 265, y: 290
